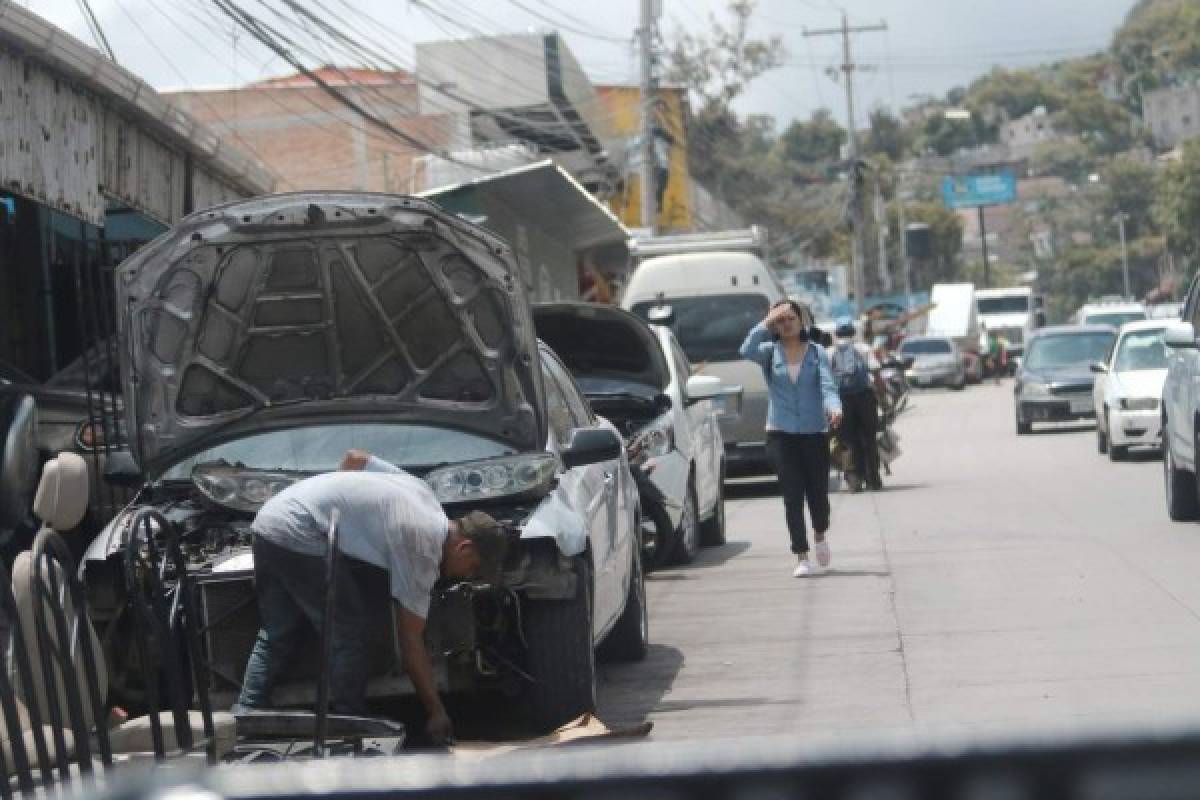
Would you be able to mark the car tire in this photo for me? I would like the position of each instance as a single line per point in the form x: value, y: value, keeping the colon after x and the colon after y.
x: 630, y: 636
x: 1183, y: 504
x: 1023, y: 428
x: 1101, y: 439
x: 961, y: 384
x: 712, y: 532
x: 687, y: 536
x: 560, y: 655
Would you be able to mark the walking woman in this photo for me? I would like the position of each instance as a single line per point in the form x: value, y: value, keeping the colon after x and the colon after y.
x: 803, y: 404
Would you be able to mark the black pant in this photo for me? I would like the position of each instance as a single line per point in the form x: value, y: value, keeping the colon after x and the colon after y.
x: 801, y: 461
x: 860, y: 424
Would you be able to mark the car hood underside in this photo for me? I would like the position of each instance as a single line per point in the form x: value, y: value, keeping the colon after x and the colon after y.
x: 289, y: 309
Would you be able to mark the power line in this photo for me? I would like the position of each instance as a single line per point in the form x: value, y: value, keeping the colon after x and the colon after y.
x: 93, y: 24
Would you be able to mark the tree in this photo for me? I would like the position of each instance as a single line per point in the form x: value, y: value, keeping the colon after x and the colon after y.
x: 1069, y: 160
x: 1015, y: 92
x: 888, y: 136
x: 945, y: 232
x: 947, y: 136
x: 1177, y: 203
x: 819, y: 139
x: 1129, y: 188
x: 1103, y: 123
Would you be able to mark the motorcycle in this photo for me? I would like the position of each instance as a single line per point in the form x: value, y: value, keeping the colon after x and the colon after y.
x: 894, y: 375
x: 886, y: 439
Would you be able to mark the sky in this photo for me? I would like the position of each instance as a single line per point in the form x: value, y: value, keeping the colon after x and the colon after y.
x: 929, y: 46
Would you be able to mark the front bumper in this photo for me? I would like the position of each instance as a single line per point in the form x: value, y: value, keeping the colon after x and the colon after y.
x: 746, y: 458
x: 934, y: 377
x: 1135, y: 428
x: 1055, y: 409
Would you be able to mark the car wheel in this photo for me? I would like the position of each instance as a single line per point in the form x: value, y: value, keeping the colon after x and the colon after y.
x: 961, y: 384
x: 1023, y: 427
x: 630, y: 637
x: 1101, y: 438
x: 560, y: 655
x: 1115, y: 452
x: 1182, y: 501
x: 687, y: 537
x: 712, y: 533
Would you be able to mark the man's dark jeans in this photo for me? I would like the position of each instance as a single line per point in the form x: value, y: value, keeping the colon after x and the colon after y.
x: 860, y: 426
x: 291, y: 604
x: 801, y: 461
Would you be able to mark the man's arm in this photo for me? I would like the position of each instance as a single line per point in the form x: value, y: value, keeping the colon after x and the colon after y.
x: 410, y: 629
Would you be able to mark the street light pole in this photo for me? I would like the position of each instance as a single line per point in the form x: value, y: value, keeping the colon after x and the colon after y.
x: 1124, y: 252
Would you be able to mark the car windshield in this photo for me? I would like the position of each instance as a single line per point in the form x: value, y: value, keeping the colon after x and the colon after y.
x: 712, y: 327
x: 1068, y: 349
x: 1115, y: 318
x: 1140, y: 350
x: 926, y: 347
x: 1011, y: 304
x: 319, y: 448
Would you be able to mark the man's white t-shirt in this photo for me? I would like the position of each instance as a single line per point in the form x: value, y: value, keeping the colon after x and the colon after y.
x: 386, y: 517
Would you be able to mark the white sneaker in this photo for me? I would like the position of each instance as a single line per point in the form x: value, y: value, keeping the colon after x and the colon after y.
x: 803, y: 569
x: 823, y: 554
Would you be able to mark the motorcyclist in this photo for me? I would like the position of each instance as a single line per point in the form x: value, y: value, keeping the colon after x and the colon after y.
x: 856, y: 372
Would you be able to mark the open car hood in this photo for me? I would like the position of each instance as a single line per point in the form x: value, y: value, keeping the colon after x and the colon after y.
x: 290, y: 309
x: 603, y: 342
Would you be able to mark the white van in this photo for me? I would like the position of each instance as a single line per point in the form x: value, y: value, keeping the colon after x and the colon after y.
x: 716, y: 298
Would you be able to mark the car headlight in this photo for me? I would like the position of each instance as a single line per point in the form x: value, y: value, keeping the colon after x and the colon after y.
x: 1139, y: 403
x: 493, y: 478
x: 240, y: 489
x: 728, y: 404
x: 657, y: 439
x: 1033, y: 389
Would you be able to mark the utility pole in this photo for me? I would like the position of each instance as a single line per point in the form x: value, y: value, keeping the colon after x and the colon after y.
x: 848, y: 69
x: 649, y: 16
x: 902, y: 224
x: 881, y: 229
x: 987, y: 266
x: 1121, y: 217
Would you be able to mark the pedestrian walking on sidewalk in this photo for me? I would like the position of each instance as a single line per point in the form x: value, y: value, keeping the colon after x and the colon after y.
x: 856, y: 372
x: 803, y: 404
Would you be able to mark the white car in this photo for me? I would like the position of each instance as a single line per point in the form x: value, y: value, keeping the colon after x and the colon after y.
x: 637, y: 376
x: 1128, y: 390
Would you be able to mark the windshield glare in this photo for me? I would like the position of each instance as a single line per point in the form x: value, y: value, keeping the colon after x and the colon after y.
x: 1115, y: 318
x: 1068, y: 349
x: 319, y: 448
x: 1141, y: 350
x: 926, y: 347
x: 712, y: 327
x: 1017, y: 304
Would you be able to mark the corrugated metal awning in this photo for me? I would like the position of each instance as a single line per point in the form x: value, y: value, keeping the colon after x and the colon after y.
x: 544, y: 194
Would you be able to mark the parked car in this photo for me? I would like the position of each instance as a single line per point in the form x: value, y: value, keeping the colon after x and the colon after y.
x: 264, y: 338
x: 1128, y: 390
x: 937, y: 361
x: 637, y: 376
x: 1055, y: 381
x: 1180, y: 406
x: 716, y: 297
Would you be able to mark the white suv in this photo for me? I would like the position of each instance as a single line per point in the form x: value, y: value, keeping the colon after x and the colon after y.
x: 1180, y: 409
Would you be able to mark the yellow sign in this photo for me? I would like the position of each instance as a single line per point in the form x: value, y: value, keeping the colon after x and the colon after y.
x: 672, y: 188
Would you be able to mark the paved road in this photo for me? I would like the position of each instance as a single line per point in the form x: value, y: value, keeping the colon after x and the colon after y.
x: 998, y: 582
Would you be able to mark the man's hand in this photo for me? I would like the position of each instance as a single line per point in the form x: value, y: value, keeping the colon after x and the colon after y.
x: 355, y: 460
x: 835, y: 418
x: 439, y: 729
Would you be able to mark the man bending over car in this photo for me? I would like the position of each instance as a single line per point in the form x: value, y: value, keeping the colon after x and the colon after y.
x: 387, y: 519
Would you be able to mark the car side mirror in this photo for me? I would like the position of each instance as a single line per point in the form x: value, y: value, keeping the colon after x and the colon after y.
x: 662, y: 403
x: 121, y: 470
x: 1098, y: 368
x: 591, y: 446
x: 703, y: 387
x: 661, y: 315
x: 908, y: 361
x: 1180, y: 335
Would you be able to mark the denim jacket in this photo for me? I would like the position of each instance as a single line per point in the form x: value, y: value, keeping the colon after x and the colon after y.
x: 800, y: 406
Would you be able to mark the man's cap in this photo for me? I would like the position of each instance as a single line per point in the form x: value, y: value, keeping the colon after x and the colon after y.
x: 491, y: 540
x: 845, y: 330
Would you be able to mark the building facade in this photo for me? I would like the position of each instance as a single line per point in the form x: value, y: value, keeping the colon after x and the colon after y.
x: 1172, y: 114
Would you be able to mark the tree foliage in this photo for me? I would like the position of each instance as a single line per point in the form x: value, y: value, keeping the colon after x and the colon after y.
x: 1129, y: 188
x: 1177, y: 204
x: 819, y: 139
x: 887, y: 136
x: 1015, y: 92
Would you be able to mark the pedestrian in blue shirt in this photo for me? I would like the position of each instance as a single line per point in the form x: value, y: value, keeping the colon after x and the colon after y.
x: 803, y: 404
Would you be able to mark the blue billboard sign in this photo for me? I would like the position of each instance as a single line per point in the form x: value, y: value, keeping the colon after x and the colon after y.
x: 986, y: 189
